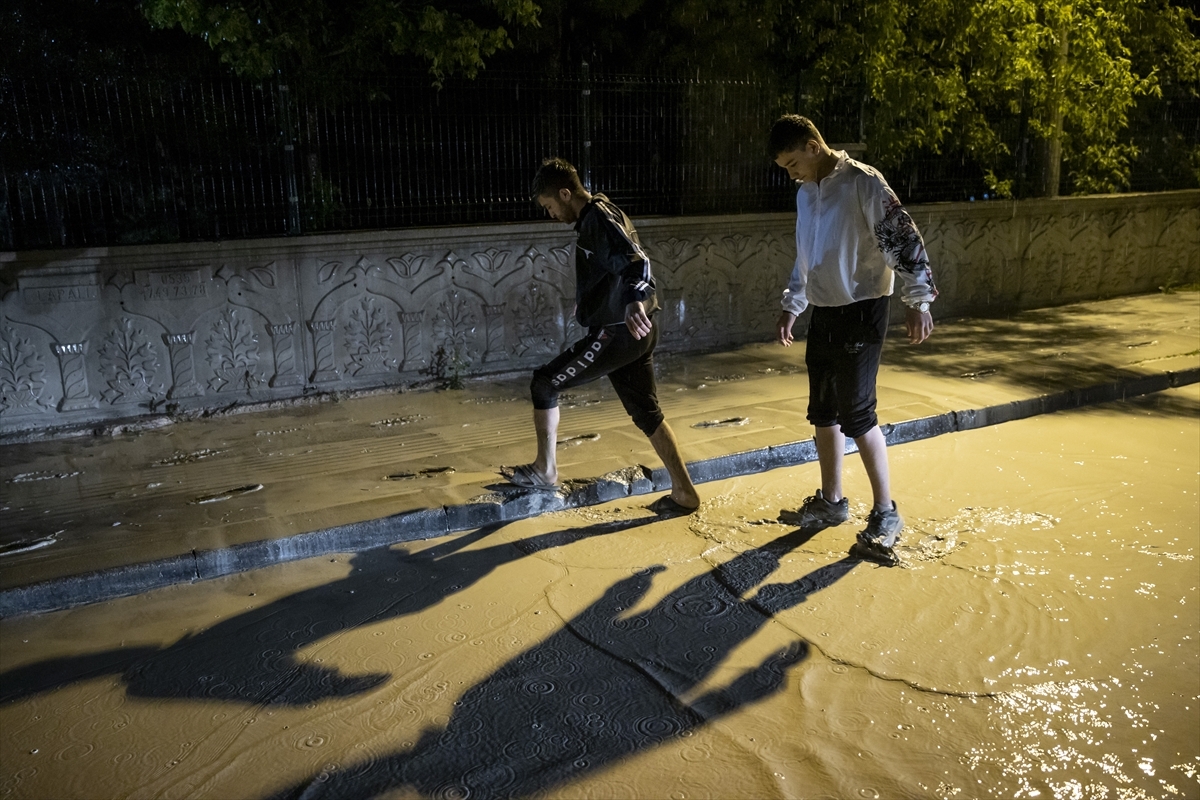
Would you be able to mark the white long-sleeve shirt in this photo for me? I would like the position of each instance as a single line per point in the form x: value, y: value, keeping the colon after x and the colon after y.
x: 852, y: 238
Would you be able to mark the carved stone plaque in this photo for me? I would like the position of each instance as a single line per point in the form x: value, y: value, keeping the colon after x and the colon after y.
x: 184, y: 283
x: 47, y: 290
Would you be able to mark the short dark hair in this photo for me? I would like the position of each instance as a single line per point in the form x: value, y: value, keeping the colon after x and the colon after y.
x: 790, y: 132
x: 554, y: 174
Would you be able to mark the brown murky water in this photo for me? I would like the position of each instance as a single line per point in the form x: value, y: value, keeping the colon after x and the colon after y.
x: 1041, y: 640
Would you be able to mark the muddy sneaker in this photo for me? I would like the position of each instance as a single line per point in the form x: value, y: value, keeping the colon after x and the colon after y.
x: 818, y: 512
x: 878, y: 540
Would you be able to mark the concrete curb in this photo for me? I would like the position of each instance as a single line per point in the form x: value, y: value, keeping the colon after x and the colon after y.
x: 507, y: 506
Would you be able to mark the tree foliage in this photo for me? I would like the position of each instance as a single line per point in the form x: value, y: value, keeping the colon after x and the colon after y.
x: 1001, y: 85
x: 994, y: 79
x: 1014, y: 87
x: 91, y: 39
x: 725, y: 38
x: 322, y: 39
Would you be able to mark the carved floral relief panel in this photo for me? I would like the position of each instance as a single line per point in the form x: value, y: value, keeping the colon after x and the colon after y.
x: 23, y: 370
x: 232, y: 350
x: 952, y: 243
x: 1041, y: 261
x: 131, y: 364
x: 538, y: 319
x: 368, y: 334
x: 137, y: 330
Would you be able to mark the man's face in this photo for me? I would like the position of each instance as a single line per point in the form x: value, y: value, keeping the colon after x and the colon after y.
x: 558, y: 206
x: 801, y: 163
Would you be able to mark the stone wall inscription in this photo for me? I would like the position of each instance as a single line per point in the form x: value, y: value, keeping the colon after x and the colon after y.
x: 172, y: 284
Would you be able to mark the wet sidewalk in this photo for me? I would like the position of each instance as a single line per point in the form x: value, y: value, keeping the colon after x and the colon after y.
x: 87, y: 519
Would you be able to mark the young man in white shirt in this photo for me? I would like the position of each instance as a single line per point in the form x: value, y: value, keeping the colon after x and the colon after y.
x: 852, y: 238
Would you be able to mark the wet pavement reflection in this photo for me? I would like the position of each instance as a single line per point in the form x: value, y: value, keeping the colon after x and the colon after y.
x: 1039, y: 639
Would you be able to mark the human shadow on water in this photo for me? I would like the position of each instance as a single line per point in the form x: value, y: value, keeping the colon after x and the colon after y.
x: 610, y: 683
x: 251, y: 657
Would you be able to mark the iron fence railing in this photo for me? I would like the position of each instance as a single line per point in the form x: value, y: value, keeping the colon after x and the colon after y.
x: 111, y: 162
x: 129, y: 161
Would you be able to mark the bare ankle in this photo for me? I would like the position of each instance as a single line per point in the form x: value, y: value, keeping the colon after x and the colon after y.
x: 686, y: 498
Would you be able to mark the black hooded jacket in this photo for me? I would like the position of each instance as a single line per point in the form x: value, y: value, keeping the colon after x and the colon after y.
x: 611, y: 269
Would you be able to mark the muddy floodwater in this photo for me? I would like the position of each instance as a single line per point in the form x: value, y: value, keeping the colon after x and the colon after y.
x: 1039, y: 640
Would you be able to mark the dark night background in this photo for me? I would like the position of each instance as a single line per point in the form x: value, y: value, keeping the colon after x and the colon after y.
x: 117, y: 125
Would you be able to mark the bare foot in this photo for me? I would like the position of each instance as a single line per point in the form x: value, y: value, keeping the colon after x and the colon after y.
x: 685, y: 499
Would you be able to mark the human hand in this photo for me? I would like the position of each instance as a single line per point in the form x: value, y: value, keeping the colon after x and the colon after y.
x: 783, y: 328
x: 636, y: 319
x: 919, y: 325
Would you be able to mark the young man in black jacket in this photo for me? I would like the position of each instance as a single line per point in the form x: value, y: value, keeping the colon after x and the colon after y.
x: 615, y: 301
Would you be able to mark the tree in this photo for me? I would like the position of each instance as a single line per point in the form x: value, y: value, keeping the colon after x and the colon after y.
x: 82, y: 40
x: 1018, y: 87
x: 314, y: 40
x: 1066, y: 68
x: 717, y: 38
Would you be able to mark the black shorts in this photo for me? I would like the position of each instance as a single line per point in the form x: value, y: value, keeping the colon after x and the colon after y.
x: 610, y: 350
x: 842, y: 356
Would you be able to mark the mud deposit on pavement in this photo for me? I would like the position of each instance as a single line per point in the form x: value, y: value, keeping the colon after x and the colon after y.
x: 162, y: 490
x: 1039, y: 640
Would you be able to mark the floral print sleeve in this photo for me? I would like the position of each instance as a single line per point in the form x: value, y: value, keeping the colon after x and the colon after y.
x: 901, y: 244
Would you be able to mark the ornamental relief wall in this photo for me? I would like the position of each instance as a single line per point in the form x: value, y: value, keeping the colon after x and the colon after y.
x: 89, y: 336
x: 718, y: 290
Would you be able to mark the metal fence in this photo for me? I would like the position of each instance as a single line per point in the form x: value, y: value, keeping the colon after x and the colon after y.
x: 143, y: 161
x: 140, y: 161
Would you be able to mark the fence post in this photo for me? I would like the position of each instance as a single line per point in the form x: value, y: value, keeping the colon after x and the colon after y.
x: 585, y: 168
x: 289, y: 162
x: 7, y: 241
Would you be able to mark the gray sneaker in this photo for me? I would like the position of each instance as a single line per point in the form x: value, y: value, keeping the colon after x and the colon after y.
x: 877, y: 540
x: 819, y: 512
